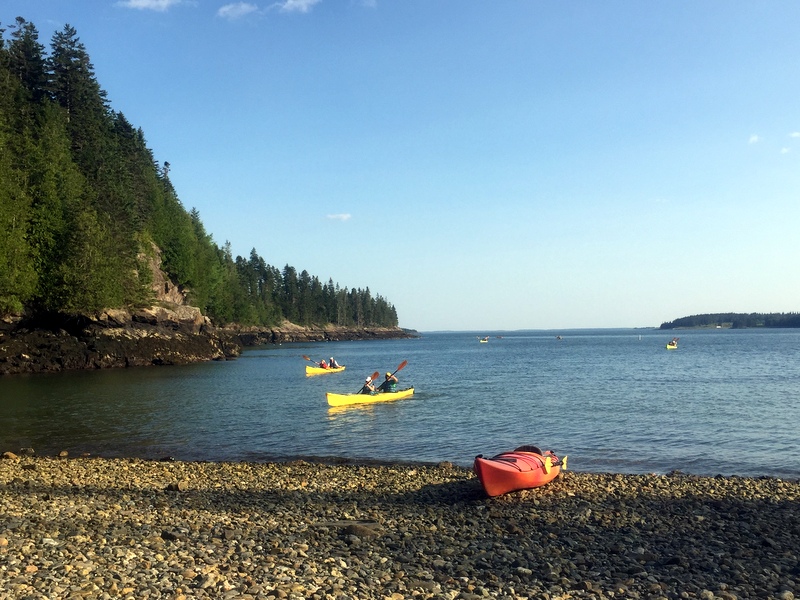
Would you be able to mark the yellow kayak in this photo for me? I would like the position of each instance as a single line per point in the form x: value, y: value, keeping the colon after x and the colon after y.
x: 320, y: 371
x: 345, y: 399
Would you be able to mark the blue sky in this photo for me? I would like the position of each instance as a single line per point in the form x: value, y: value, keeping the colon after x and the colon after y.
x: 482, y: 165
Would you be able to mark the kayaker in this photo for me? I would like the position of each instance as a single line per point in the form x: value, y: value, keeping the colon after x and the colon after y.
x: 333, y: 364
x: 390, y: 385
x: 323, y: 364
x: 368, y: 387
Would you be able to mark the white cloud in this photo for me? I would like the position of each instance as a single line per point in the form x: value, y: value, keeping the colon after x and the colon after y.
x: 754, y: 139
x: 795, y: 134
x: 159, y: 5
x: 236, y: 10
x: 785, y: 150
x: 340, y: 217
x: 303, y: 6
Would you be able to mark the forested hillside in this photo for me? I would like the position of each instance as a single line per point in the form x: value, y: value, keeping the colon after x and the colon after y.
x: 84, y: 207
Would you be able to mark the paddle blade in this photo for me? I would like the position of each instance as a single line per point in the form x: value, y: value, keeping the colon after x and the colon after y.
x: 375, y: 375
x: 307, y: 358
x: 402, y: 366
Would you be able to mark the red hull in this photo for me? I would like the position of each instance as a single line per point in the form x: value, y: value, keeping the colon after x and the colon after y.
x: 517, y: 470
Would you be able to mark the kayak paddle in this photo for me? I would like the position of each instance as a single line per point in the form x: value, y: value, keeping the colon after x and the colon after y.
x: 401, y: 366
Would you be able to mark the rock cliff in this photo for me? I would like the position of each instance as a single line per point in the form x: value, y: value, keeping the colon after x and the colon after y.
x: 116, y: 338
x: 168, y: 333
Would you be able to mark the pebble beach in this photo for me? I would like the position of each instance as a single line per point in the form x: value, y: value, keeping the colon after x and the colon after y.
x: 74, y: 528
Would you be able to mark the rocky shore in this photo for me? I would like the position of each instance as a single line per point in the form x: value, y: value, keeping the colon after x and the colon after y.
x: 96, y: 528
x: 288, y: 333
x: 165, y: 334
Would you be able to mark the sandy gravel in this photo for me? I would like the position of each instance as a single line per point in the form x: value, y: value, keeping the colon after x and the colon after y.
x: 96, y: 528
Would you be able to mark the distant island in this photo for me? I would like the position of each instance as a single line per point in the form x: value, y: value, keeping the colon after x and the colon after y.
x: 735, y: 321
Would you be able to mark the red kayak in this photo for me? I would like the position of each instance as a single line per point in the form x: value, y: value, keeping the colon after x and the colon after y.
x: 524, y: 468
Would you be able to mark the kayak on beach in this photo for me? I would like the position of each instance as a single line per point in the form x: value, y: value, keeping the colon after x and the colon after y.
x: 524, y: 468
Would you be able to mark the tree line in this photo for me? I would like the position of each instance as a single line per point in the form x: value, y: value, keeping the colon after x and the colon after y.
x: 736, y: 320
x: 85, y: 207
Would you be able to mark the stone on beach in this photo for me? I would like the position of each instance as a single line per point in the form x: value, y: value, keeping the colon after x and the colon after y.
x: 97, y: 528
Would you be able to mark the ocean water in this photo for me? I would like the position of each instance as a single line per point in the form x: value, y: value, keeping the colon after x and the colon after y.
x: 615, y: 400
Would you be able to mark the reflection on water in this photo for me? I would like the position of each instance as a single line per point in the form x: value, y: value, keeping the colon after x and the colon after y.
x: 614, y: 400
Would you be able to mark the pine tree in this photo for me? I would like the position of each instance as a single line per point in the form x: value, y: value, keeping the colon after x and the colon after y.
x: 75, y: 88
x: 26, y: 60
x: 18, y: 277
x: 17, y: 273
x: 290, y: 297
x: 54, y: 184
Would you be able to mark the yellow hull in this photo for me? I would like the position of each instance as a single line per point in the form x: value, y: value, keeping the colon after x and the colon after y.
x: 346, y: 399
x: 320, y: 371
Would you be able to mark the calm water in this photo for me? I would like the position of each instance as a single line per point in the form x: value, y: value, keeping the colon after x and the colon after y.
x: 725, y: 402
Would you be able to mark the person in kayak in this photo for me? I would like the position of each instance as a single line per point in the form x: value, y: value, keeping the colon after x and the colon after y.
x: 333, y: 364
x: 390, y: 385
x: 368, y: 387
x: 323, y: 364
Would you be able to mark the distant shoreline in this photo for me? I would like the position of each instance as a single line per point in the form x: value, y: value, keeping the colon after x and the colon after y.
x: 736, y: 321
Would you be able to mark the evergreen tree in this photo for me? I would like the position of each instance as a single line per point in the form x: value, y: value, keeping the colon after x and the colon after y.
x: 54, y: 185
x: 221, y: 296
x: 290, y: 298
x: 75, y: 88
x: 17, y: 274
x: 26, y: 61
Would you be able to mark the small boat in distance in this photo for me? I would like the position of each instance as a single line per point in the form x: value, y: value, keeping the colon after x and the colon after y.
x: 484, y: 340
x: 672, y: 344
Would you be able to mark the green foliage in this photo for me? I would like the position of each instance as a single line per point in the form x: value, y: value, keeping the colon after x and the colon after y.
x: 88, y: 275
x: 85, y: 209
x: 267, y: 296
x: 17, y: 273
